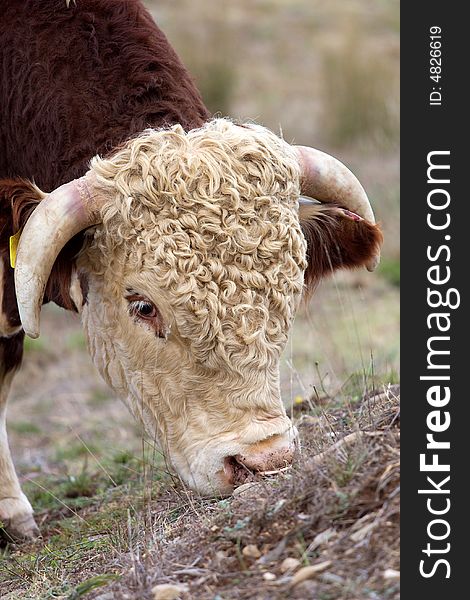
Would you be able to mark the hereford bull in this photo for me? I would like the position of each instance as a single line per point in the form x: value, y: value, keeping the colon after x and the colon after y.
x: 177, y: 238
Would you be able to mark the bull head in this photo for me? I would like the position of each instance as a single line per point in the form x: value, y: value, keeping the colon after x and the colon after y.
x: 195, y: 264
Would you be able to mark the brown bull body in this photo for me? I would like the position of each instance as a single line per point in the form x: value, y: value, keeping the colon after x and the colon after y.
x: 75, y: 82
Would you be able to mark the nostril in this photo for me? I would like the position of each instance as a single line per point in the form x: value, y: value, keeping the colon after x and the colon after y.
x: 268, y: 457
x: 229, y: 469
x: 236, y: 472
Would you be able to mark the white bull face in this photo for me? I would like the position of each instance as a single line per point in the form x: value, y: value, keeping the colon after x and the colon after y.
x: 194, y: 278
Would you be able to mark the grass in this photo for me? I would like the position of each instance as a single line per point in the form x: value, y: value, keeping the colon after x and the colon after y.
x: 24, y: 427
x: 98, y: 396
x: 76, y: 340
x: 359, y: 90
x: 362, y: 383
x: 85, y: 521
x: 38, y: 345
x: 390, y: 269
x: 98, y: 524
x: 91, y: 584
x: 60, y: 561
x: 75, y: 450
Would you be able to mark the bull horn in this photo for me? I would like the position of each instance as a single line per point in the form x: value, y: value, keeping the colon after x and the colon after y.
x: 328, y: 180
x: 62, y: 214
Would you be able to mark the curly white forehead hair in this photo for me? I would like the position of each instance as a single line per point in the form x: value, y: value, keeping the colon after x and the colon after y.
x: 212, y: 214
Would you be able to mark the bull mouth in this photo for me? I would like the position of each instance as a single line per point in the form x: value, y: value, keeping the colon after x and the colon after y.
x: 238, y: 473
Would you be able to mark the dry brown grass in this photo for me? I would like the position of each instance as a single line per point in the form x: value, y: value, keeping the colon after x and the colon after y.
x: 342, y: 509
x: 282, y: 57
x: 338, y: 504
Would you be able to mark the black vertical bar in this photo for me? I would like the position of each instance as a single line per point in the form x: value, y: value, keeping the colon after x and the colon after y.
x: 435, y: 119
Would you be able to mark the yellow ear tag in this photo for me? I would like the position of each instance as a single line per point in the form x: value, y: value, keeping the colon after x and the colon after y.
x: 14, y: 240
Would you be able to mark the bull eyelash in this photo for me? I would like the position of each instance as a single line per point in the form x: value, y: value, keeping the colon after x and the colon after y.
x: 137, y: 305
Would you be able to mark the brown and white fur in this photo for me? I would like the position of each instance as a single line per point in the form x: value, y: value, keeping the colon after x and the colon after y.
x: 188, y: 283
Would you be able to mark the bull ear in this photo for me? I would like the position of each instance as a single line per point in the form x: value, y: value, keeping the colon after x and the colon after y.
x: 18, y: 200
x: 336, y: 239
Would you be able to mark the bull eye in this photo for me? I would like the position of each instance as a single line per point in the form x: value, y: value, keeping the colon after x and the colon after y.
x: 144, y: 310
